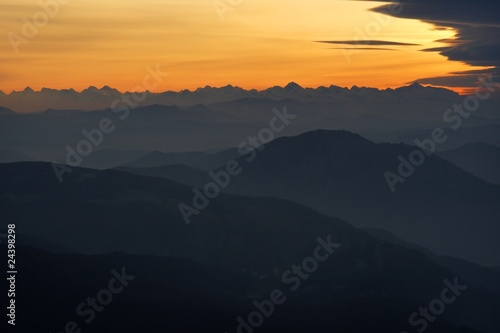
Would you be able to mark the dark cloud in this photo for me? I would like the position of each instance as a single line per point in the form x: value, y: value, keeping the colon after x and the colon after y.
x: 363, y: 48
x: 444, y: 12
x: 476, y: 21
x: 435, y: 49
x: 364, y: 42
x: 452, y: 81
x: 474, y: 72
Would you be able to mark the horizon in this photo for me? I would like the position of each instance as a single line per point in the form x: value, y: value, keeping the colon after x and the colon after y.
x: 92, y: 87
x: 252, y: 45
x: 94, y: 98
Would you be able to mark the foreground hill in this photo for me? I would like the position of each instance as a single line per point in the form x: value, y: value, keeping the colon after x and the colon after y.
x: 169, y: 294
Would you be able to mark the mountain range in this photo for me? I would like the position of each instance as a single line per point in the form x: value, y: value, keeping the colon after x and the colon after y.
x: 342, y: 174
x: 351, y: 100
x: 93, y: 98
x: 46, y: 135
x: 365, y: 209
x: 212, y: 266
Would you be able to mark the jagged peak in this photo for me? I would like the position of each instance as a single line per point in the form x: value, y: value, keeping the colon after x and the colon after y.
x: 292, y: 85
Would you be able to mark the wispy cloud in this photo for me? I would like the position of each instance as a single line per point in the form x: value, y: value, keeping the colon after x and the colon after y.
x: 365, y: 42
x: 364, y: 48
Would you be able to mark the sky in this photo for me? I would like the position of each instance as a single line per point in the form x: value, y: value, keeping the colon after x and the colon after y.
x: 247, y: 43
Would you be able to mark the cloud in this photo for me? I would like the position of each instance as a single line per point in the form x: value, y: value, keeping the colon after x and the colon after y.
x: 436, y: 49
x: 451, y: 81
x: 476, y: 23
x: 365, y: 42
x: 446, y: 12
x: 474, y: 72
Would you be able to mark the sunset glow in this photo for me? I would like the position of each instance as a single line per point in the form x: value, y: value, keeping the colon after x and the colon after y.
x: 257, y: 44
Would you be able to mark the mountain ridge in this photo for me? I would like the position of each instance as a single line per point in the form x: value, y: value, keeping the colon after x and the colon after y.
x: 342, y: 174
x: 139, y: 216
x: 93, y: 98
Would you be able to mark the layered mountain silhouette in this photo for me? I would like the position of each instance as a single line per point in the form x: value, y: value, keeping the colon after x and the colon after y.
x: 52, y: 135
x: 145, y: 186
x: 234, y: 252
x: 218, y: 118
x: 342, y: 174
x: 94, y: 98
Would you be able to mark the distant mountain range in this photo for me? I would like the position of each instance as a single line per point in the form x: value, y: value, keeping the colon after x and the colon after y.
x: 46, y: 136
x: 415, y: 99
x: 233, y: 253
x: 94, y: 98
x: 400, y: 115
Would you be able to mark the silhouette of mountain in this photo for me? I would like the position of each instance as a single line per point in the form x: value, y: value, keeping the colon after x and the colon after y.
x: 255, y: 238
x: 94, y: 98
x: 342, y: 174
x: 152, y: 128
x: 480, y: 159
x: 441, y: 223
x: 174, y: 125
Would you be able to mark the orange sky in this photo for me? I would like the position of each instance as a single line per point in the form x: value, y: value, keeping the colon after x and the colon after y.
x: 258, y: 44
